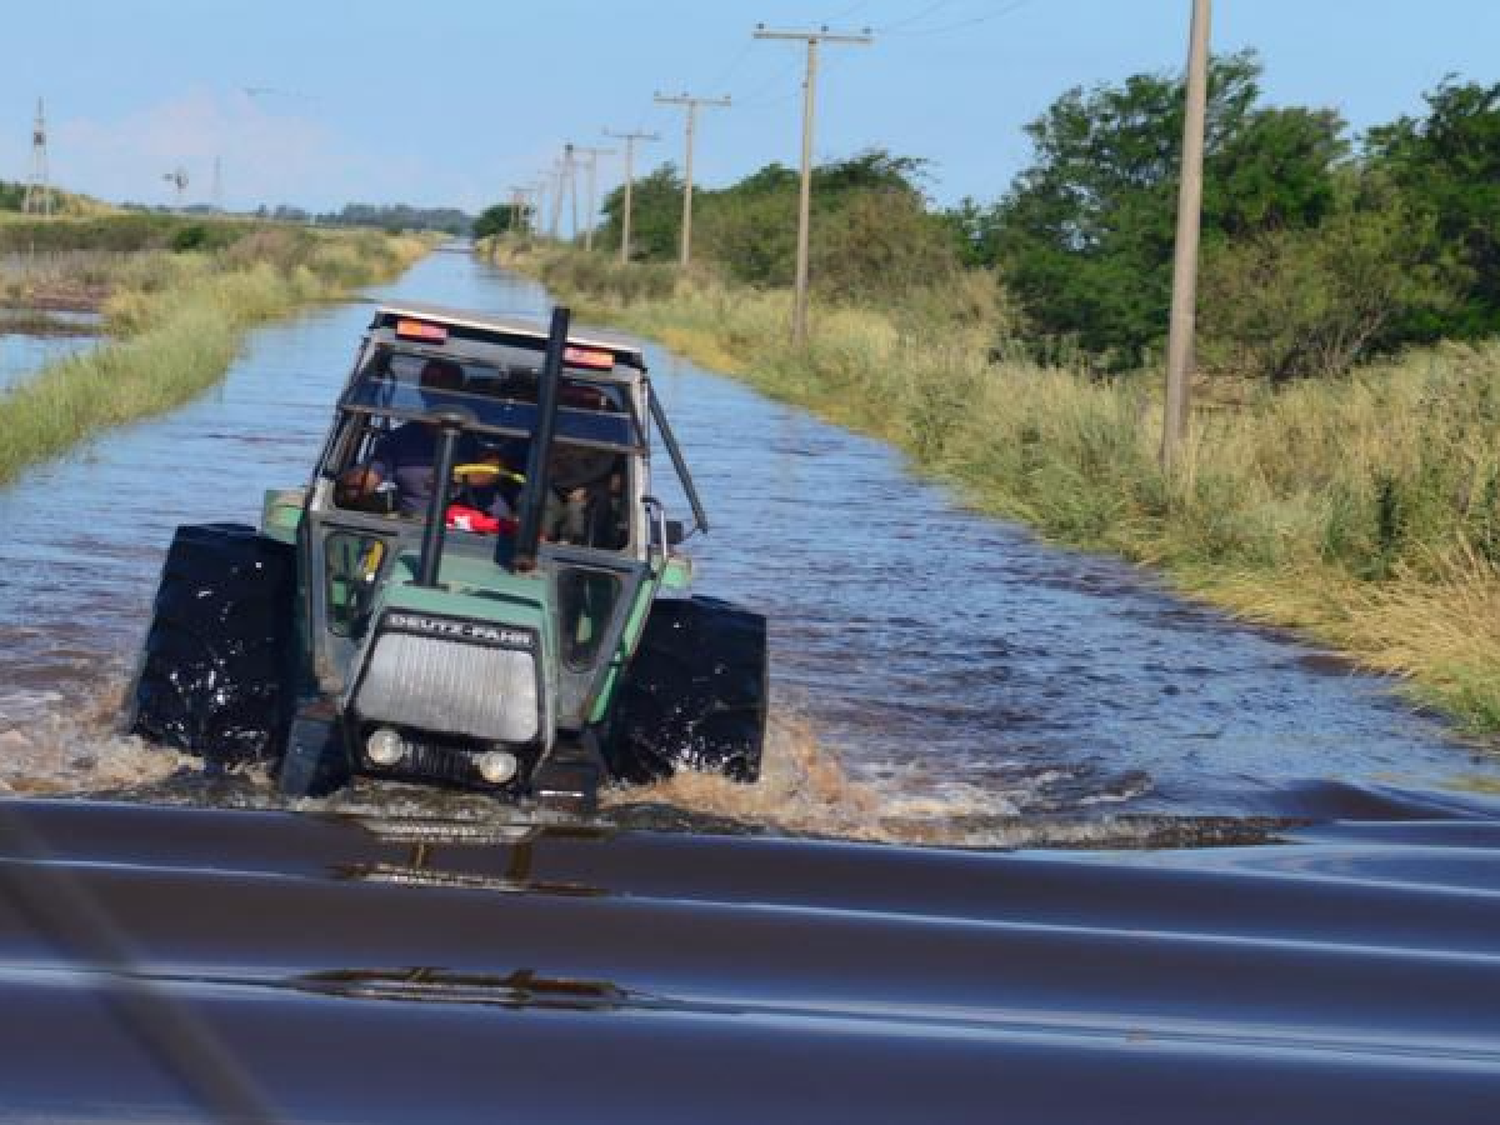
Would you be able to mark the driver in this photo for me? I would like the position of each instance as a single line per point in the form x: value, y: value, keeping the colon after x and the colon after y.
x: 404, y: 458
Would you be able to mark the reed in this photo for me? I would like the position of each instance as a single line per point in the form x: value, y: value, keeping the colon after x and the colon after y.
x: 1364, y: 511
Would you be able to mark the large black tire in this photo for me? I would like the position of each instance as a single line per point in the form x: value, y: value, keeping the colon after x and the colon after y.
x: 217, y: 677
x: 694, y: 696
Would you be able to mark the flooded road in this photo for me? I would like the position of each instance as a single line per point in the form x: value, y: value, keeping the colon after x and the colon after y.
x: 938, y: 677
x: 395, y: 955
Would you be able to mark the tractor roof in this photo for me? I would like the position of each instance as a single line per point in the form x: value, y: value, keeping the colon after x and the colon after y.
x: 504, y: 329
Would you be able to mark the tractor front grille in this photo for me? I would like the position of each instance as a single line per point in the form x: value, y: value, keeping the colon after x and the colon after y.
x: 449, y: 686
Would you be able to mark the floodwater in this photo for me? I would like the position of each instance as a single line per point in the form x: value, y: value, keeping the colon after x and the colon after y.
x: 23, y: 352
x: 939, y: 677
x: 942, y: 680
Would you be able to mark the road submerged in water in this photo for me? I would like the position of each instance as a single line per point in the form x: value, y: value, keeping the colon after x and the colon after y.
x: 1287, y: 910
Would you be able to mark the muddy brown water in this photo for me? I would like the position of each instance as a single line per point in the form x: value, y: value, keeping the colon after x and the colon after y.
x: 710, y: 952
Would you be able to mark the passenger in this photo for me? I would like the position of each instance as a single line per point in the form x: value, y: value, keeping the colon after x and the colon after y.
x: 582, y: 498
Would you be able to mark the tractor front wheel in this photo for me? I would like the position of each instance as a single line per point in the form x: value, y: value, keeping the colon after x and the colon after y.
x: 217, y: 676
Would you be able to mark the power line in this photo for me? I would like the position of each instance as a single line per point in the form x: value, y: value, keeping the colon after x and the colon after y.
x: 922, y: 32
x: 734, y: 65
x: 784, y: 72
x: 846, y: 12
x: 931, y: 9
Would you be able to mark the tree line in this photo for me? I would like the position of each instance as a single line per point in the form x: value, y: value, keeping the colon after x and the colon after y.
x: 1320, y: 248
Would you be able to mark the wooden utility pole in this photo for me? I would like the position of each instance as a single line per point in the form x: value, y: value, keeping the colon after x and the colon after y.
x: 538, y: 217
x: 629, y: 139
x: 593, y: 155
x: 1185, y: 266
x: 521, y: 208
x: 571, y: 170
x: 804, y: 201
x: 692, y: 105
x: 558, y: 193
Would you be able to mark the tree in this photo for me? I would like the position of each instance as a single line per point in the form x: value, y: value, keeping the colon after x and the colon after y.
x: 497, y: 219
x: 1447, y: 165
x: 656, y: 215
x: 1085, y: 235
x: 1288, y: 302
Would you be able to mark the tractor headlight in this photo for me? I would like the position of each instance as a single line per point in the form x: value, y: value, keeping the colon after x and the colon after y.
x: 497, y: 766
x: 384, y: 747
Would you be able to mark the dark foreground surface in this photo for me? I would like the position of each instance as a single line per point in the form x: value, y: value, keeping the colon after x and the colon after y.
x: 411, y: 970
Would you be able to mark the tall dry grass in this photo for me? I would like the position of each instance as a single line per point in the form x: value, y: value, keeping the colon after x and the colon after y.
x: 1364, y: 511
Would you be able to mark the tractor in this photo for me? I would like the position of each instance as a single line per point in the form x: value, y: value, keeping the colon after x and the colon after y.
x: 479, y: 587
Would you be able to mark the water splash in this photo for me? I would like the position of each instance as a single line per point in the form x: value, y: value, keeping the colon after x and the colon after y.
x: 63, y: 745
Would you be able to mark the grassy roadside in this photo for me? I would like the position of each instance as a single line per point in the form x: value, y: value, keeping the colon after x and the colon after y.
x: 1364, y: 512
x: 177, y: 319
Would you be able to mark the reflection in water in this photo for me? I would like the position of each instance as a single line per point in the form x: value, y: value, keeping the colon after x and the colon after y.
x: 523, y: 988
x: 938, y: 677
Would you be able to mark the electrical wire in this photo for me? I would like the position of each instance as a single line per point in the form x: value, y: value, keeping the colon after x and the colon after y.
x: 846, y: 12
x: 922, y: 32
x: 786, y: 71
x: 734, y: 65
x: 931, y: 9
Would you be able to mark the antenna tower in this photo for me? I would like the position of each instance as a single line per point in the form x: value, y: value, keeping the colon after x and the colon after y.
x: 38, y: 199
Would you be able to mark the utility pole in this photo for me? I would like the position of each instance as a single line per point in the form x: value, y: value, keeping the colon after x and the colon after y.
x: 804, y: 200
x: 559, y: 191
x: 629, y: 139
x: 521, y: 208
x: 542, y: 186
x: 692, y: 105
x: 1185, y: 266
x: 38, y: 198
x: 570, y: 169
x: 218, y: 188
x: 593, y: 155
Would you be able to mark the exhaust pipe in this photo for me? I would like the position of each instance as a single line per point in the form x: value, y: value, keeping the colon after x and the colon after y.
x: 450, y: 424
x: 538, y: 487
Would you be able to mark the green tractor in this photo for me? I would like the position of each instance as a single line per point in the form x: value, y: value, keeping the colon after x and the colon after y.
x: 478, y: 588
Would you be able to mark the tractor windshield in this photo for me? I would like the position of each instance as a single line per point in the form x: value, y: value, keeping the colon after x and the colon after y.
x: 383, y: 461
x: 409, y: 385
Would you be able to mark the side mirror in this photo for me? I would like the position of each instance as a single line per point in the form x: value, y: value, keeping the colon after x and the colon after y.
x: 675, y: 534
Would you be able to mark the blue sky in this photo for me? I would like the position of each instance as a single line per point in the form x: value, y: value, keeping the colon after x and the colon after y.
x: 452, y: 101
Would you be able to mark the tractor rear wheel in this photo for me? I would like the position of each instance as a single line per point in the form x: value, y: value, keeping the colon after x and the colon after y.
x: 694, y: 696
x: 217, y: 675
